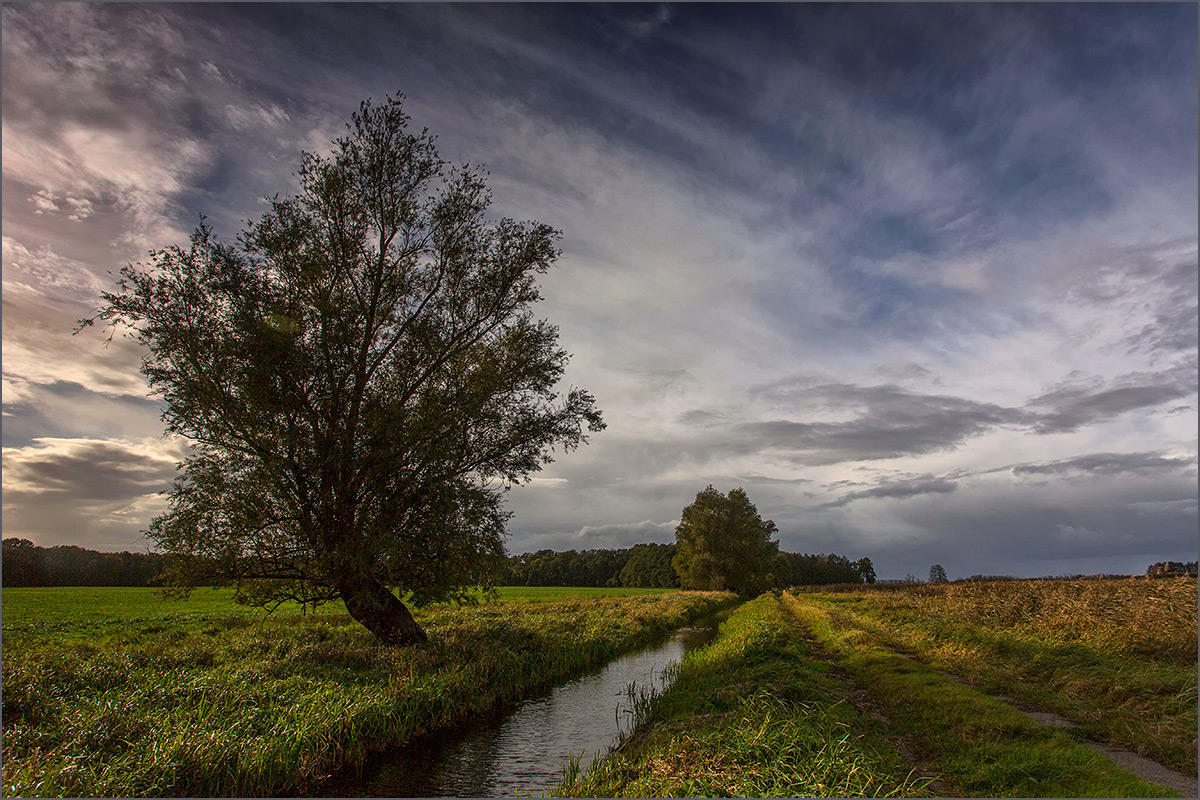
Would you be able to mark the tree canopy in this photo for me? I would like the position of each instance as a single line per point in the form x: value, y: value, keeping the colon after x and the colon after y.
x: 361, y: 376
x: 724, y: 544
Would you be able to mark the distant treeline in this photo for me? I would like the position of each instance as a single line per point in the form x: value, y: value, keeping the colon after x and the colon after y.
x: 643, y: 565
x: 1169, y: 569
x: 26, y: 564
x: 649, y: 565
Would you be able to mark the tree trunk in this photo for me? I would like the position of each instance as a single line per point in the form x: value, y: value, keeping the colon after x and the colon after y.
x: 380, y: 611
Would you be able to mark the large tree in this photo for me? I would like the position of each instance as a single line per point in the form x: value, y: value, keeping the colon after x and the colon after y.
x: 361, y: 376
x: 724, y: 544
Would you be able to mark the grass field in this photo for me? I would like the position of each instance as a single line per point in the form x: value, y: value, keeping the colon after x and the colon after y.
x: 804, y: 696
x: 107, y: 605
x: 1117, y: 657
x: 116, y: 693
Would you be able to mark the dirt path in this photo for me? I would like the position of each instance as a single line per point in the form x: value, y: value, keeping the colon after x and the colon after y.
x: 1144, y: 768
x: 861, y: 699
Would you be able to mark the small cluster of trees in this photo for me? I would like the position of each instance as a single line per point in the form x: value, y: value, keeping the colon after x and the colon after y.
x: 1166, y: 569
x: 27, y: 564
x: 725, y: 544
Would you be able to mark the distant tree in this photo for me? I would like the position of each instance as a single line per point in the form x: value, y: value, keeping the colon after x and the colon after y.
x: 724, y: 544
x: 910, y: 578
x: 361, y: 376
x: 937, y: 574
x: 866, y: 569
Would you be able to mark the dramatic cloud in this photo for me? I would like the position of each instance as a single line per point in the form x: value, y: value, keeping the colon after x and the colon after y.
x: 921, y: 278
x: 100, y: 487
x: 1106, y: 464
x: 883, y: 421
x: 899, y: 489
x: 1074, y: 404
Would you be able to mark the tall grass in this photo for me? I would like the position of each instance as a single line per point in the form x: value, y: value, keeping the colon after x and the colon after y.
x: 228, y: 704
x: 755, y: 714
x: 1118, y: 657
x: 980, y: 745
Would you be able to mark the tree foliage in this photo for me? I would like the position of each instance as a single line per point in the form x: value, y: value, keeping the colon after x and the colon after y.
x: 723, y: 544
x: 361, y: 376
x: 937, y: 574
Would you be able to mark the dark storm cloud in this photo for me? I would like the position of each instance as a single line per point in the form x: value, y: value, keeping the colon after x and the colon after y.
x: 888, y: 422
x: 1028, y: 530
x: 62, y: 410
x: 899, y: 489
x: 1074, y: 404
x: 84, y: 470
x: 1106, y: 464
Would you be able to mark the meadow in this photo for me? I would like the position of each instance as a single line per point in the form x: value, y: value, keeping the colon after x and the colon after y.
x: 115, y: 692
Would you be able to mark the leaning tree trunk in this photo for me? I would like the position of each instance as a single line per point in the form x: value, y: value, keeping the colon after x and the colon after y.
x: 374, y: 605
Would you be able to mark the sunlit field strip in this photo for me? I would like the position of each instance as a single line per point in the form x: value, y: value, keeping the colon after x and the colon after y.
x: 110, y: 604
x: 216, y: 703
x: 755, y: 714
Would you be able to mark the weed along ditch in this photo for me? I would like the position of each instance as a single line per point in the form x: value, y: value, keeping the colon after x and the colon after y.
x: 524, y: 749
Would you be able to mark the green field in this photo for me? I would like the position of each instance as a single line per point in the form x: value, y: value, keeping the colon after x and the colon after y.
x: 976, y: 744
x: 106, y: 605
x: 114, y: 692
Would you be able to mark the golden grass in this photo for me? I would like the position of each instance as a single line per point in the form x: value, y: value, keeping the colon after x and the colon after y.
x: 1117, y: 657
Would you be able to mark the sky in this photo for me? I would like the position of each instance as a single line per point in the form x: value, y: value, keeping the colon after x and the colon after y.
x: 922, y: 279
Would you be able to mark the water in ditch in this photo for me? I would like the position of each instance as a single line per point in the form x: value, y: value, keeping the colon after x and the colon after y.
x: 523, y: 751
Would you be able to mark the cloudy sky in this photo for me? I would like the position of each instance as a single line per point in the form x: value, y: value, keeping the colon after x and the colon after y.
x: 921, y: 279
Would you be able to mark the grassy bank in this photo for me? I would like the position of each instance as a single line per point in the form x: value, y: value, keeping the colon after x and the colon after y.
x: 1117, y: 657
x: 755, y: 714
x: 225, y: 702
x: 980, y: 745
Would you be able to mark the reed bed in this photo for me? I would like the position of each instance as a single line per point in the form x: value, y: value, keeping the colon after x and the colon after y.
x: 226, y: 704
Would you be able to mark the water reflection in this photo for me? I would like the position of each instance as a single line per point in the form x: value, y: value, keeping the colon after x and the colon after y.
x: 524, y: 751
